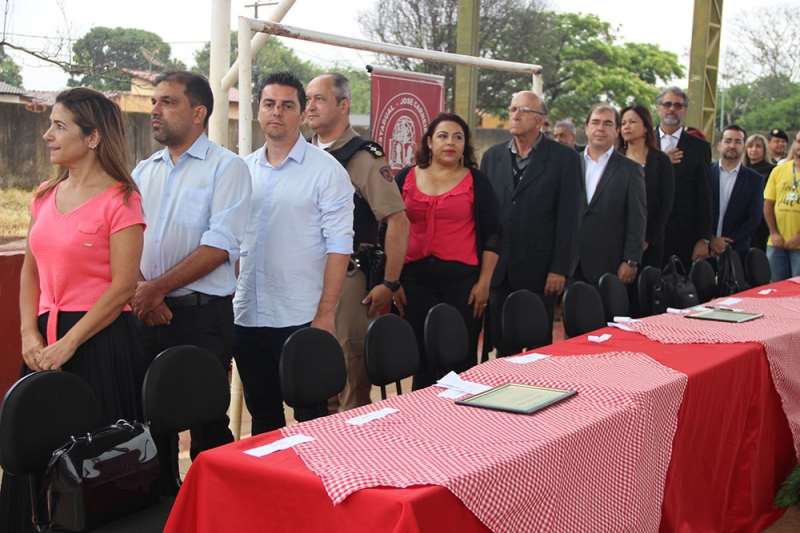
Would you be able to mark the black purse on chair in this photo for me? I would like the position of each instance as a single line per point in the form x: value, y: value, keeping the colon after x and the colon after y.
x: 102, y: 476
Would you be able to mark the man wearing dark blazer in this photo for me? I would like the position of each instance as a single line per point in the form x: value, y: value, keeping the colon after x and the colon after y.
x: 615, y: 206
x: 688, y: 230
x: 537, y: 182
x: 738, y: 194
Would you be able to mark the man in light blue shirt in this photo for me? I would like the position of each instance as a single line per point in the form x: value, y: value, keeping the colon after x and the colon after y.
x: 195, y: 197
x: 298, y: 245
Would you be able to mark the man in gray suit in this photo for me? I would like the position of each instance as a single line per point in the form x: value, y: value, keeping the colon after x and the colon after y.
x: 615, y: 209
x: 537, y: 182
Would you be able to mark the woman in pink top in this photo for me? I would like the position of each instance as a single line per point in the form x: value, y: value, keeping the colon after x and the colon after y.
x: 81, y: 268
x: 454, y: 236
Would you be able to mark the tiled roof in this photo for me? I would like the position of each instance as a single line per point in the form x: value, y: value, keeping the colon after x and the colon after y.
x: 5, y: 88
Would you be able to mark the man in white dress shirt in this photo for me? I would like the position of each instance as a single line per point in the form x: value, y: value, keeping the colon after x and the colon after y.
x: 298, y: 245
x: 195, y: 196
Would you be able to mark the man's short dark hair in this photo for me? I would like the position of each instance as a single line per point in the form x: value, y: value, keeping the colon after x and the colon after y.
x: 197, y: 90
x: 601, y: 107
x: 735, y: 127
x: 287, y: 79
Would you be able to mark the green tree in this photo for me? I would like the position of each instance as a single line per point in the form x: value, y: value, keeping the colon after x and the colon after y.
x: 9, y: 70
x: 582, y: 63
x: 744, y: 103
x: 100, y: 56
x: 273, y: 56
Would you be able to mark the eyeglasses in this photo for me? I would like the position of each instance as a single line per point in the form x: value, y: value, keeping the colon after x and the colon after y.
x: 524, y: 110
x: 677, y: 106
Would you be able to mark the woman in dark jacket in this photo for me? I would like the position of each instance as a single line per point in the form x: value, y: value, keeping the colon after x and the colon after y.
x: 638, y: 142
x: 454, y: 236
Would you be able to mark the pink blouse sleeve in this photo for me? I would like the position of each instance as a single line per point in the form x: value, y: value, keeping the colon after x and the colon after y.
x: 126, y: 214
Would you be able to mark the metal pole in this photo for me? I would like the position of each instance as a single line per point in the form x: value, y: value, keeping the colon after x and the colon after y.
x: 466, y: 82
x: 386, y: 48
x: 219, y: 61
x: 245, y: 91
x: 258, y: 41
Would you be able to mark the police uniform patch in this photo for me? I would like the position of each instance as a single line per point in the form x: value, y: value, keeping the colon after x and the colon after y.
x: 386, y: 172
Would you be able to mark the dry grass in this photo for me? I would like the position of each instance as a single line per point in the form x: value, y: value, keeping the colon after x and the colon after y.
x: 15, y: 213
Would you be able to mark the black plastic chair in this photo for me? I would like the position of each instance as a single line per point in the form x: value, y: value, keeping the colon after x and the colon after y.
x: 525, y: 322
x: 582, y: 310
x: 185, y: 386
x: 390, y: 352
x: 446, y: 338
x: 312, y: 368
x: 757, y: 271
x: 704, y: 280
x: 614, y: 295
x: 39, y: 413
x: 649, y: 278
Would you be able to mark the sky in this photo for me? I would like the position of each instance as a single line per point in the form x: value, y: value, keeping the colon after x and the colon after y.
x: 185, y: 25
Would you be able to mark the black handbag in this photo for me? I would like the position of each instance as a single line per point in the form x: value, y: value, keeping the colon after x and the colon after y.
x: 679, y: 291
x: 102, y: 476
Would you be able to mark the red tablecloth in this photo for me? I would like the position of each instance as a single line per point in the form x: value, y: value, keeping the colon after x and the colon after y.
x: 731, y: 450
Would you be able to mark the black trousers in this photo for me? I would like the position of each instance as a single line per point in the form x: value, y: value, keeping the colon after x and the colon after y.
x: 208, y: 326
x: 431, y: 281
x: 497, y: 297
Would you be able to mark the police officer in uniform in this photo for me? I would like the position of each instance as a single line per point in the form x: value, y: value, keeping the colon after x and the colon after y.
x: 377, y: 198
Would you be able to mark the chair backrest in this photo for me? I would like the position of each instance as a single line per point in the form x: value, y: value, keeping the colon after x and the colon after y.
x: 648, y: 279
x: 756, y: 268
x: 312, y: 367
x: 40, y: 413
x: 704, y: 280
x: 446, y: 337
x: 614, y: 295
x: 726, y: 260
x: 390, y: 350
x: 524, y: 321
x: 582, y: 309
x: 185, y: 386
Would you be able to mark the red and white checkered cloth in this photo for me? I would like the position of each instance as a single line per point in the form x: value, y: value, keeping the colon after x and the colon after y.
x: 594, y: 462
x: 778, y: 331
x: 795, y: 279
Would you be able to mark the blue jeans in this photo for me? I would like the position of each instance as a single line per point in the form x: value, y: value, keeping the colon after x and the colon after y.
x: 785, y: 264
x: 258, y: 353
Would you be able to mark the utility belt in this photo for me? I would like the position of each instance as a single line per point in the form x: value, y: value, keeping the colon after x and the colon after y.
x: 194, y: 299
x: 371, y: 260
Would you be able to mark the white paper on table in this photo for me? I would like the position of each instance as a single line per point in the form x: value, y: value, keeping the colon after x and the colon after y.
x: 528, y: 358
x: 278, y: 445
x: 729, y: 301
x: 372, y: 415
x: 624, y: 320
x: 599, y: 338
x: 674, y: 311
x: 621, y: 326
x: 767, y: 291
x: 453, y: 382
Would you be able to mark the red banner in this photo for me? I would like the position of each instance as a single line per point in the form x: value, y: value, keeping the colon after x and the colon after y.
x: 403, y: 105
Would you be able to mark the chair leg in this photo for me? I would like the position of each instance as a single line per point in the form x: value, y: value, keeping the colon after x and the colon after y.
x: 383, y: 392
x: 397, y: 386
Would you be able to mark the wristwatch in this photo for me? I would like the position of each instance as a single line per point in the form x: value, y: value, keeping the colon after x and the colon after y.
x: 393, y: 286
x: 633, y: 264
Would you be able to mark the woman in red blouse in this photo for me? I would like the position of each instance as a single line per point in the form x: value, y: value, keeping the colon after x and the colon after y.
x: 454, y: 236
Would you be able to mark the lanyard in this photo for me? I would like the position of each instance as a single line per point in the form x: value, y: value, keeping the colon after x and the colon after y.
x: 794, y: 178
